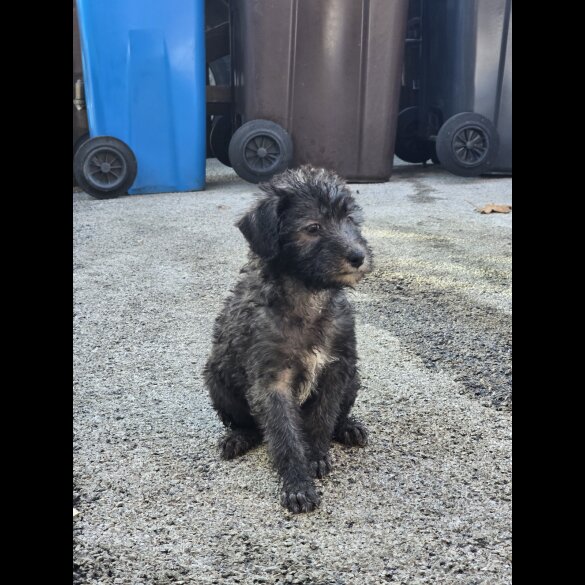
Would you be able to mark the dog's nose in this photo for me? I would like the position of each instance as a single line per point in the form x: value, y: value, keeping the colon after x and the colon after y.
x: 356, y: 258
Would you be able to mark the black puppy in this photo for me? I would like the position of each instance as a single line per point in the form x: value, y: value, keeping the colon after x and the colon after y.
x: 283, y: 364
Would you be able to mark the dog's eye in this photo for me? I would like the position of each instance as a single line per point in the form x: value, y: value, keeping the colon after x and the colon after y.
x: 313, y: 228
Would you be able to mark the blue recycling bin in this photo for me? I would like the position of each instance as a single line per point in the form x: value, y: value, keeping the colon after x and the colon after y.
x: 144, y: 75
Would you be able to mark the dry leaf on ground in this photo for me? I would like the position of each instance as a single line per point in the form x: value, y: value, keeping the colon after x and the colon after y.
x: 493, y: 208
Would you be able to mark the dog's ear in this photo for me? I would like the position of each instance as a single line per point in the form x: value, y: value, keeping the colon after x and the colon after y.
x: 260, y: 227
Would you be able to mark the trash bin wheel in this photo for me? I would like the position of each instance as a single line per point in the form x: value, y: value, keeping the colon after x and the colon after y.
x: 104, y: 167
x: 76, y: 144
x: 467, y: 144
x: 80, y: 140
x: 219, y: 138
x: 409, y: 146
x: 260, y: 149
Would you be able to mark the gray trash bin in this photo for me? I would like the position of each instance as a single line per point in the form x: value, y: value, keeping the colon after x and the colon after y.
x: 316, y: 82
x: 463, y: 118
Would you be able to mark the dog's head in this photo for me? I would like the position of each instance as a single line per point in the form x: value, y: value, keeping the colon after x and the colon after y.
x: 308, y: 225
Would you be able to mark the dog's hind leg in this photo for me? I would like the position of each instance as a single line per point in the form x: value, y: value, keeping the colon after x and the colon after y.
x: 351, y: 432
x: 348, y: 430
x: 239, y: 441
x: 243, y: 433
x: 234, y: 412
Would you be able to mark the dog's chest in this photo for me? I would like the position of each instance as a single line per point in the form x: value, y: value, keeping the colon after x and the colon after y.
x: 311, y: 364
x: 310, y: 340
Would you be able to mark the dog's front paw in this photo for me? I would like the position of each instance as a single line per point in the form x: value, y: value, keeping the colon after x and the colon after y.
x: 353, y: 433
x: 298, y: 499
x: 320, y: 467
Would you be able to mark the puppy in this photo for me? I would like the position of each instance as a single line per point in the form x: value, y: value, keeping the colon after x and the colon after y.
x: 283, y: 363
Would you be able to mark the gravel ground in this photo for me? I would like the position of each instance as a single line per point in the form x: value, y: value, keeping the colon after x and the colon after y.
x: 428, y: 501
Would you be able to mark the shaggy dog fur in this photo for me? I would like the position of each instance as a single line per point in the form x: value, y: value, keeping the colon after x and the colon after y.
x: 283, y: 364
